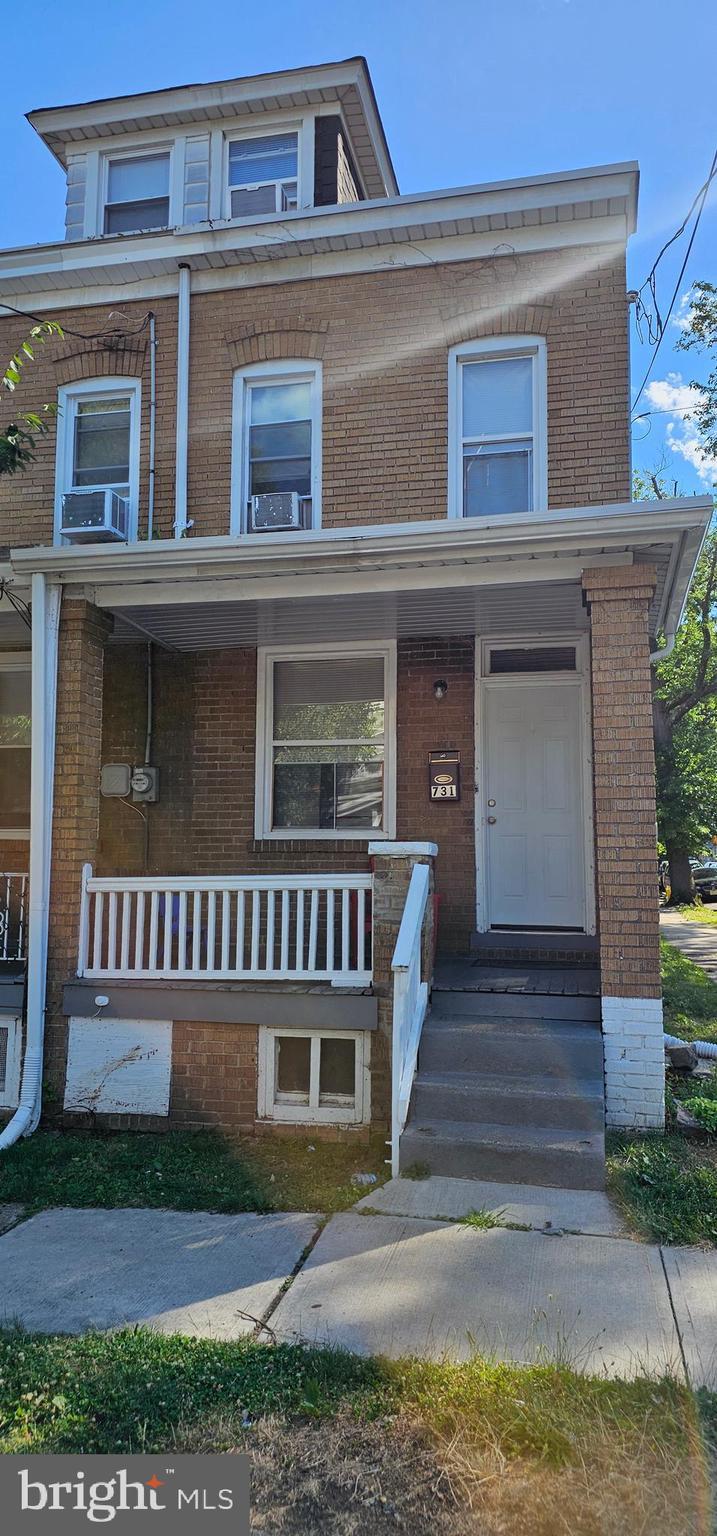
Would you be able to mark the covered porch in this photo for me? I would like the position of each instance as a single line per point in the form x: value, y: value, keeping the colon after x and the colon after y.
x: 195, y: 890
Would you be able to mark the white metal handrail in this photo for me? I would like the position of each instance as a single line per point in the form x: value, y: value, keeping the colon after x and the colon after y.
x: 227, y: 928
x: 13, y: 916
x: 410, y: 1003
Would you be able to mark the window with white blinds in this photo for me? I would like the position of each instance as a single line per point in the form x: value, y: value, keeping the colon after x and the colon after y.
x: 327, y: 728
x: 498, y: 434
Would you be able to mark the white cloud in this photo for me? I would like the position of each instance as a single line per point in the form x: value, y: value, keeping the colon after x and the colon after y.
x: 678, y: 400
x: 683, y: 315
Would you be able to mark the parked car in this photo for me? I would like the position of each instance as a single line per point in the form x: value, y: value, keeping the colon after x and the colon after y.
x: 705, y: 878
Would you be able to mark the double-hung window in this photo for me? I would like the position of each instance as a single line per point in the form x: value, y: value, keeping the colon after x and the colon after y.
x: 497, y: 428
x: 263, y: 174
x: 97, y: 449
x: 277, y: 445
x: 15, y: 676
x: 137, y: 193
x: 326, y: 743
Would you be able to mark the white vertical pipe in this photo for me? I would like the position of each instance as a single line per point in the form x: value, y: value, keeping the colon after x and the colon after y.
x: 183, y: 322
x: 45, y: 634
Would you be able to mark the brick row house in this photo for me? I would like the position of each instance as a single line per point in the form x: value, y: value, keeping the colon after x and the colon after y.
x: 325, y: 636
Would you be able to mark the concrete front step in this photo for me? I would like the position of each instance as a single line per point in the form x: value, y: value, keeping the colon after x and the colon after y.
x: 450, y: 1003
x: 546, y: 1101
x: 567, y: 1051
x: 566, y: 1159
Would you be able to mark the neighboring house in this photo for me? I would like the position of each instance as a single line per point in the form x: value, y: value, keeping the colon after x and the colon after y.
x: 335, y: 567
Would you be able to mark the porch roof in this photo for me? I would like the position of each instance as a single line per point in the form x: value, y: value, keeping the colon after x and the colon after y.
x: 431, y: 577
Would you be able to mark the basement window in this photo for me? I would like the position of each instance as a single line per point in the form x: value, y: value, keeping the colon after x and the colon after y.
x: 10, y: 1046
x: 312, y: 1077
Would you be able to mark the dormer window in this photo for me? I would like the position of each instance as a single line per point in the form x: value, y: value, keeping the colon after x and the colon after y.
x: 137, y: 196
x: 263, y: 174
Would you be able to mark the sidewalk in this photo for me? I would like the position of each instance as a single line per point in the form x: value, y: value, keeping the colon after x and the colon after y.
x: 696, y: 940
x: 379, y: 1280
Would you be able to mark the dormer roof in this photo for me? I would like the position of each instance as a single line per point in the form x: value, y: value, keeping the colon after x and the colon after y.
x: 347, y: 82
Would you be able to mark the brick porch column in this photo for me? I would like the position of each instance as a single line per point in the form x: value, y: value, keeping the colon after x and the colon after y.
x: 618, y: 598
x: 78, y: 757
x: 393, y: 865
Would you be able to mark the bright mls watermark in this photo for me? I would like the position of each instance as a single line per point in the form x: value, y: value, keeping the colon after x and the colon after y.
x: 164, y: 1493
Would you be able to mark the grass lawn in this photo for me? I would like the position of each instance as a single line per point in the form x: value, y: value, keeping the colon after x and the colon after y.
x: 699, y: 912
x: 344, y: 1445
x: 186, y: 1171
x: 666, y: 1186
x: 689, y: 997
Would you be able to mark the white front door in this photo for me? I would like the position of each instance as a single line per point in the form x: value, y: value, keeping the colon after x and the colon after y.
x: 533, y: 804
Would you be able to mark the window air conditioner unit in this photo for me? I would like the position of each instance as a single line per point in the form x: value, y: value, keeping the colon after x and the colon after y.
x: 98, y: 516
x: 276, y: 511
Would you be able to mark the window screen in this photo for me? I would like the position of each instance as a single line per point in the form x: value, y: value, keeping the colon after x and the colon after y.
x: 497, y: 435
x: 263, y: 174
x: 101, y: 443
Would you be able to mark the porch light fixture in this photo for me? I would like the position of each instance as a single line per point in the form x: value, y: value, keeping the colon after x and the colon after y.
x: 440, y: 687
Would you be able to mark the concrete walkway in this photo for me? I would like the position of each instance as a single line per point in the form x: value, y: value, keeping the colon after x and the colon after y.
x: 390, y: 1282
x: 696, y: 940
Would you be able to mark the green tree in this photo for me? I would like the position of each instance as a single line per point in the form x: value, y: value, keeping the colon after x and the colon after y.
x: 685, y: 716
x: 18, y: 441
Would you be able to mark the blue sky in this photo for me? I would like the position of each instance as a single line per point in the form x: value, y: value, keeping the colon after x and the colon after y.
x: 469, y: 91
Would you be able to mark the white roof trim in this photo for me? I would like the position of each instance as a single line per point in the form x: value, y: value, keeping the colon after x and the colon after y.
x: 591, y: 206
x: 62, y: 128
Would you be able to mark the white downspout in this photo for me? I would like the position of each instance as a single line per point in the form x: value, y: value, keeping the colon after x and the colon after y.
x: 45, y: 631
x: 667, y: 648
x: 181, y: 523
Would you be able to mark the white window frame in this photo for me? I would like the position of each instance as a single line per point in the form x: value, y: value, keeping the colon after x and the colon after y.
x: 260, y: 129
x: 314, y: 1113
x: 266, y: 661
x: 137, y: 152
x: 290, y: 371
x: 10, y: 1094
x: 487, y: 349
x: 68, y: 396
x: 15, y: 661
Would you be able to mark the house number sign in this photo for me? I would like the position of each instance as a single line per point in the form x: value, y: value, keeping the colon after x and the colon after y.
x: 444, y: 775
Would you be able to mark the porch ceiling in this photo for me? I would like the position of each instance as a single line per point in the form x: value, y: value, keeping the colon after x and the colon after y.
x: 555, y: 606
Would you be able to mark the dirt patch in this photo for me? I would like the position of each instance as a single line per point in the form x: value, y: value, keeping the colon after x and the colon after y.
x: 344, y: 1478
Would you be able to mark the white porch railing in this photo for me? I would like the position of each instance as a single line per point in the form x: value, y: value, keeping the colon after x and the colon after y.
x: 227, y: 928
x: 410, y: 1002
x: 13, y: 916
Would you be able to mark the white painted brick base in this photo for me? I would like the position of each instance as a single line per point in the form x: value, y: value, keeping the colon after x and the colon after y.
x: 634, y: 1050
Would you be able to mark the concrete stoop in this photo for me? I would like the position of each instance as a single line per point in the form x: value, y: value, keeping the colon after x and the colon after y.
x: 510, y: 1086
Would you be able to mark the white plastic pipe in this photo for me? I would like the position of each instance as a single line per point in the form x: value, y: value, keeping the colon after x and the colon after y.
x: 45, y: 631
x: 706, y: 1048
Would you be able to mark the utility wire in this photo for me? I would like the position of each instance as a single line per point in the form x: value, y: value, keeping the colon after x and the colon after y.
x: 108, y: 330
x: 699, y: 203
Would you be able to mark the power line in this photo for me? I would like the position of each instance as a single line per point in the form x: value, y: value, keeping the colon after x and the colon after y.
x: 107, y: 330
x: 699, y: 203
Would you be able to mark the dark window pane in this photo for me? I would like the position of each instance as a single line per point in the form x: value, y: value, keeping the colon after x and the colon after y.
x: 14, y: 787
x: 337, y: 1070
x: 131, y: 218
x: 304, y: 795
x: 282, y: 440
x: 497, y: 479
x: 3, y: 1058
x: 293, y: 1066
x: 15, y: 693
x: 539, y: 658
x: 248, y: 201
x: 280, y: 475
